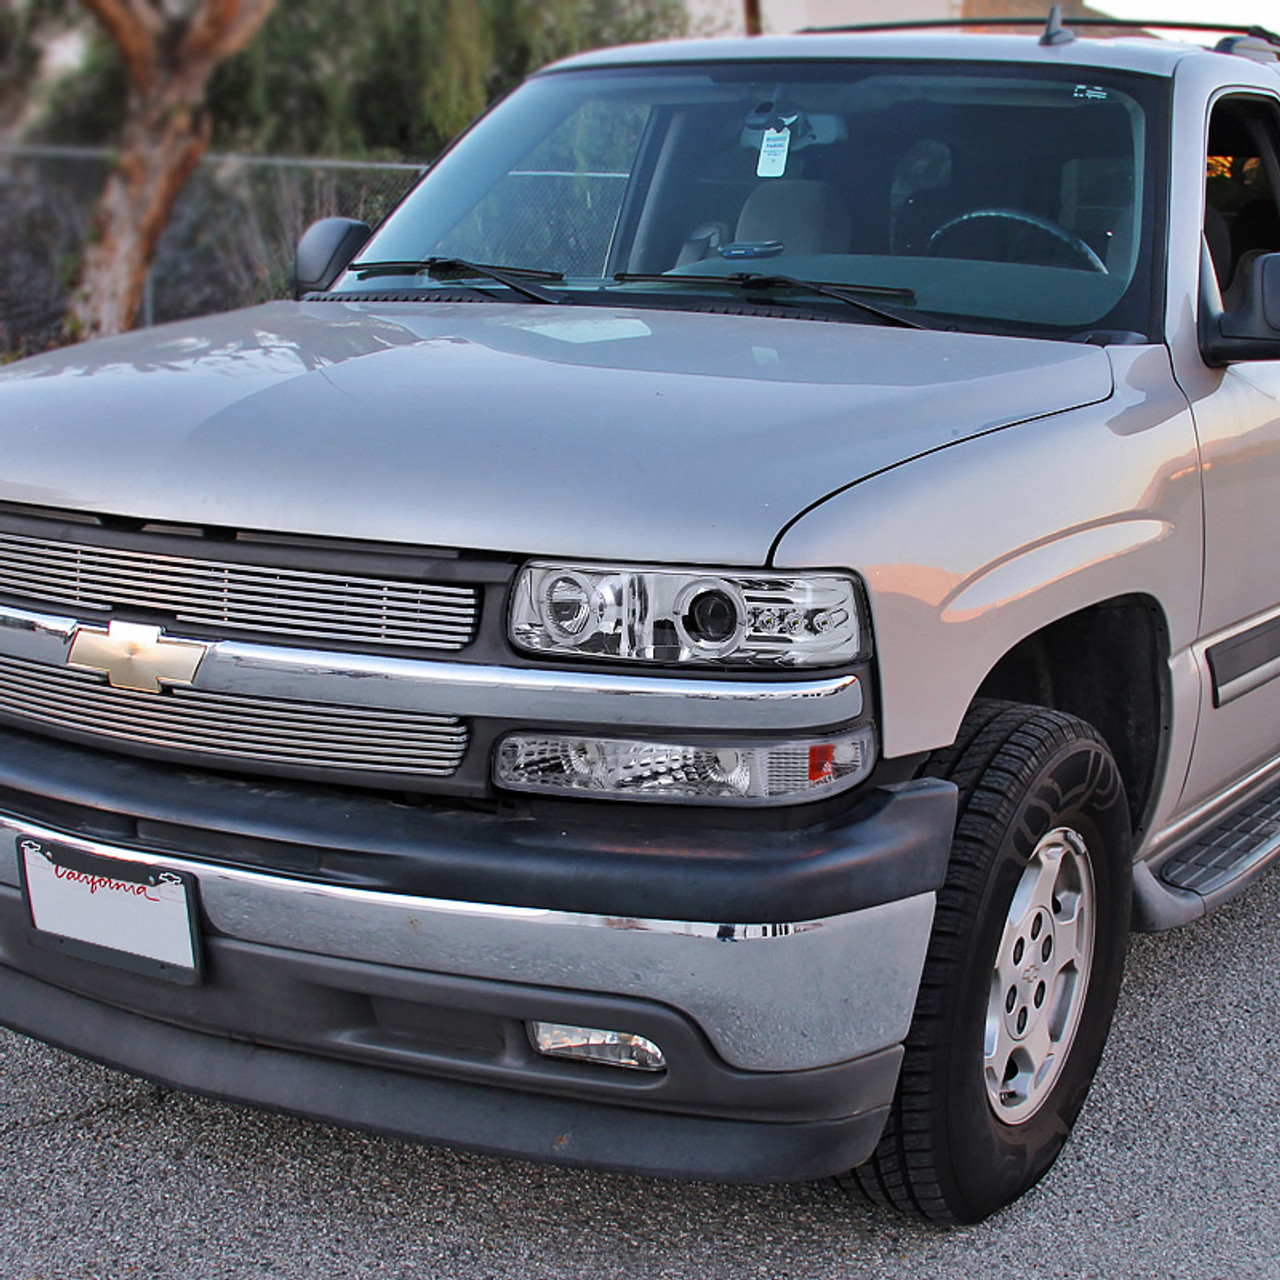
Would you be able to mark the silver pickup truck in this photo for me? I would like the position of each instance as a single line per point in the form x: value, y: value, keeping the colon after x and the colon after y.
x: 689, y: 648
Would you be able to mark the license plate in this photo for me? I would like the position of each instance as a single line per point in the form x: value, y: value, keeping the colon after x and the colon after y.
x: 133, y: 915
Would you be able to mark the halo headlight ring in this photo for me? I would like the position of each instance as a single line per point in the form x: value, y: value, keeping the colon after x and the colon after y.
x: 568, y: 606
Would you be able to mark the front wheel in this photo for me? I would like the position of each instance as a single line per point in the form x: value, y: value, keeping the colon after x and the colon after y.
x: 1023, y: 968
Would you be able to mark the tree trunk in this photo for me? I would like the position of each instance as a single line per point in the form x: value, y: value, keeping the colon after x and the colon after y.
x: 158, y: 153
x: 169, y: 59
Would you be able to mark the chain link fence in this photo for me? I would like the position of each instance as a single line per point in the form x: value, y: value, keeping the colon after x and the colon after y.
x: 229, y: 244
x: 544, y: 218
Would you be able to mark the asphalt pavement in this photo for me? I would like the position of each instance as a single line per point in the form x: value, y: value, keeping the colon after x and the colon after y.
x: 1174, y: 1170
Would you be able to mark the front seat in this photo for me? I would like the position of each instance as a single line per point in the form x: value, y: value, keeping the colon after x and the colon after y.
x: 805, y: 216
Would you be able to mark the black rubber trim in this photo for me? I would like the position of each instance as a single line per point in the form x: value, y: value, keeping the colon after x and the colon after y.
x: 447, y: 1112
x: 1229, y: 660
x: 425, y: 293
x: 891, y: 844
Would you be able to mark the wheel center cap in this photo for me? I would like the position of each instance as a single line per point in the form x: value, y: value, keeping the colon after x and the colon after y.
x: 1032, y: 946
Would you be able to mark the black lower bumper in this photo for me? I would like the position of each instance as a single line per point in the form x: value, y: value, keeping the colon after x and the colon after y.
x: 361, y: 1058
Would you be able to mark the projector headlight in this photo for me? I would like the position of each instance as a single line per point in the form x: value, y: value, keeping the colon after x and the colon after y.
x: 688, y: 616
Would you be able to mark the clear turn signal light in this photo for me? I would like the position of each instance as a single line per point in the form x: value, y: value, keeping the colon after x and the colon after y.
x: 592, y: 1044
x: 675, y: 773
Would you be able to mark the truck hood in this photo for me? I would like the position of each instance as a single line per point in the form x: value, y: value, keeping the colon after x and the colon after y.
x: 582, y: 431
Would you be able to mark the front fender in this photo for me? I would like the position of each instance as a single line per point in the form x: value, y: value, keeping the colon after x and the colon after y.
x: 970, y: 549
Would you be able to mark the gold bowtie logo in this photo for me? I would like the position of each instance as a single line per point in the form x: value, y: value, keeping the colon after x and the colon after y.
x: 135, y: 657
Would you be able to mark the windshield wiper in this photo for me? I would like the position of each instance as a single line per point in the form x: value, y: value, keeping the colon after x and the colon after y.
x: 515, y: 278
x: 846, y: 293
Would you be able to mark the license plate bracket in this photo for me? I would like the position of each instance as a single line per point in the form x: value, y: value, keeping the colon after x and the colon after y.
x: 118, y: 911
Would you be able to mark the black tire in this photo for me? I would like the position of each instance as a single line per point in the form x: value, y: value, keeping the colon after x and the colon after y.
x: 1028, y: 778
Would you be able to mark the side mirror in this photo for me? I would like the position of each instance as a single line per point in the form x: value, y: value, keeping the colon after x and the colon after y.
x: 324, y: 251
x: 1251, y: 330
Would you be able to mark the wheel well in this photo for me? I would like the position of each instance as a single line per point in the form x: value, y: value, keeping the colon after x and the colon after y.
x: 1107, y: 664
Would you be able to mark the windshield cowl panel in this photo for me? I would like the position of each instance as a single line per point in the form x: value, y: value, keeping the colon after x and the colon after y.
x: 1000, y: 198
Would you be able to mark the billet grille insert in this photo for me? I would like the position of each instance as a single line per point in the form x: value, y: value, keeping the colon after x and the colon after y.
x: 233, y: 727
x: 302, y: 604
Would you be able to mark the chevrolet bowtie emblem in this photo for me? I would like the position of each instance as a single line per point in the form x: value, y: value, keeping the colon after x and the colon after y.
x: 135, y: 657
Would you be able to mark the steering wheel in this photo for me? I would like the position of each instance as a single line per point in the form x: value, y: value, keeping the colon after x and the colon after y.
x: 1078, y: 247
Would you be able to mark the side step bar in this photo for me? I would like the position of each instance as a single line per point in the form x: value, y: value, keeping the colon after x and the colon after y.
x: 1243, y: 842
x: 1213, y: 868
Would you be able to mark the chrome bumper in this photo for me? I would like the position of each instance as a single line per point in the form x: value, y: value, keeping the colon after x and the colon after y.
x: 777, y: 997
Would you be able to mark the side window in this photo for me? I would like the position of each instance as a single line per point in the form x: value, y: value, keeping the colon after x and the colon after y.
x: 1242, y: 177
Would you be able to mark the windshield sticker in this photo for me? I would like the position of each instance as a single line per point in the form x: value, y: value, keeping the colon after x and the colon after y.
x: 774, y: 148
x: 1090, y: 92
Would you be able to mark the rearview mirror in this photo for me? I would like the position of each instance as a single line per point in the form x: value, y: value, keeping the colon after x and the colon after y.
x: 324, y: 251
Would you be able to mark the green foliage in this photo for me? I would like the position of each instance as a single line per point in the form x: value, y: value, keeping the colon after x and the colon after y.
x: 19, y: 54
x: 26, y: 27
x: 399, y: 78
x: 87, y: 108
x: 388, y: 79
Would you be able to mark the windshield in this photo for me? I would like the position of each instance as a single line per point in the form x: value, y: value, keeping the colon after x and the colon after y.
x: 1008, y: 198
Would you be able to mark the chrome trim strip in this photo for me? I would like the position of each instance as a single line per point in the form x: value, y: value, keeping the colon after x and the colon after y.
x: 806, y: 994
x: 38, y: 637
x: 464, y: 689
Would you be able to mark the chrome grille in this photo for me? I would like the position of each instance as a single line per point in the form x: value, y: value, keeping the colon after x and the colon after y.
x: 296, y: 603
x: 211, y: 726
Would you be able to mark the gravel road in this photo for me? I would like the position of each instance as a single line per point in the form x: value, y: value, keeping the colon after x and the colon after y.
x: 1174, y: 1170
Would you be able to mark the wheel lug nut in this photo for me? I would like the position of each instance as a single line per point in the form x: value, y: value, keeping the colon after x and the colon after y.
x: 1022, y: 1021
x: 1018, y: 948
x: 1011, y: 999
x: 1036, y: 925
x: 1047, y: 950
x: 1040, y: 990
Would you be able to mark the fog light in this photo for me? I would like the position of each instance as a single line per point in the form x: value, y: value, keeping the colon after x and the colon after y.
x: 591, y: 1044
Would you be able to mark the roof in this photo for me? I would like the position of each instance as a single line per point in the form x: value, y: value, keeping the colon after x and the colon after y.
x: 1155, y: 57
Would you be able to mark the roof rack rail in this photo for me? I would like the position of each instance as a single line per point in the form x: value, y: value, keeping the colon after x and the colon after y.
x: 1225, y: 28
x: 1250, y: 46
